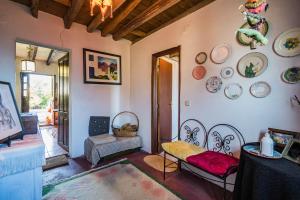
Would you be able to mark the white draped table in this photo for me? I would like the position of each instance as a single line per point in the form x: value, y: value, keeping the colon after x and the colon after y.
x: 21, y: 169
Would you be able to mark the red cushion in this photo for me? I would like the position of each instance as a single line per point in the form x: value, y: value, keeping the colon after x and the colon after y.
x: 214, y: 162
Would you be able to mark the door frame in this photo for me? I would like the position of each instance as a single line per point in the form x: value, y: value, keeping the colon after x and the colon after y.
x: 33, y: 73
x: 154, y: 95
x: 69, y: 51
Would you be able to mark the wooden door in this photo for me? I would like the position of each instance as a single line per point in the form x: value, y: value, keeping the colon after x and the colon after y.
x: 63, y: 102
x: 25, y: 92
x: 164, y: 102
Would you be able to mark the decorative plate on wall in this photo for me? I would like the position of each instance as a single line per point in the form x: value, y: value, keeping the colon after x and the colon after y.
x: 199, y: 72
x: 252, y: 64
x: 220, y: 53
x: 227, y: 72
x: 260, y: 89
x: 201, y: 58
x: 233, y: 91
x: 214, y: 84
x: 291, y: 75
x: 244, y: 40
x: 288, y: 43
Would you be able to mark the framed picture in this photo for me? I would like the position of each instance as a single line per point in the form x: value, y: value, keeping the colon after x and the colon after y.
x: 282, y: 137
x: 101, y: 68
x: 10, y: 121
x: 292, y: 151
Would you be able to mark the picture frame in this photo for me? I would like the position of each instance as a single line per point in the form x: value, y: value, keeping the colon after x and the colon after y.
x: 282, y: 137
x: 10, y: 120
x: 292, y: 151
x: 101, y: 68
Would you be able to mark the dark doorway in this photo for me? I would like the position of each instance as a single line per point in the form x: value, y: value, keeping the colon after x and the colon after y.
x: 165, y: 97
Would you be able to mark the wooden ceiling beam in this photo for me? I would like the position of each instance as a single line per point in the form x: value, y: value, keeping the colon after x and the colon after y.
x: 120, y: 17
x: 72, y: 12
x: 35, y: 8
x: 35, y: 49
x: 49, y: 59
x: 185, y: 13
x: 155, y: 9
x: 138, y: 33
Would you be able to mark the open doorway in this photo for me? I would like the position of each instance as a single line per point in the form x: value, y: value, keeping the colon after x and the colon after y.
x: 165, y: 97
x: 42, y: 93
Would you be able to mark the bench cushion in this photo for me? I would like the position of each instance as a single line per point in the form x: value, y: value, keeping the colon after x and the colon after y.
x: 213, y: 162
x: 181, y: 149
x: 102, y: 139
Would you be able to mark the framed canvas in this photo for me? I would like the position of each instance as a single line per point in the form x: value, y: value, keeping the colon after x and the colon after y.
x: 292, y: 151
x: 101, y: 68
x: 282, y: 137
x: 10, y: 121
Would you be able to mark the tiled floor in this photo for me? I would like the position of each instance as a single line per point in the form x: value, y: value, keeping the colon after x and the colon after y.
x: 49, y: 134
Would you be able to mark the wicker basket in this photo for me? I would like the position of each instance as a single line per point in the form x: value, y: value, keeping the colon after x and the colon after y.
x: 127, y: 130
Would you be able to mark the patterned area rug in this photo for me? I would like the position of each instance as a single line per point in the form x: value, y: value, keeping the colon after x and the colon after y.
x: 119, y: 180
x: 157, y: 162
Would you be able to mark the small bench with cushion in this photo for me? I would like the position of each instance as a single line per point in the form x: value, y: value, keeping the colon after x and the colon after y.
x: 214, y: 156
x: 101, y: 144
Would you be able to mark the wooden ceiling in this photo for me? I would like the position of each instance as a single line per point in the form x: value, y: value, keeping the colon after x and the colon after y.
x: 133, y: 19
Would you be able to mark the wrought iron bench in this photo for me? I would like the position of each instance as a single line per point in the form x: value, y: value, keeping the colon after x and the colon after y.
x: 215, y: 152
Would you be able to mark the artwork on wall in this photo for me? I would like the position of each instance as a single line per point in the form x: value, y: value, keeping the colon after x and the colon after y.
x: 201, y: 58
x: 220, y: 53
x: 233, y: 91
x: 256, y: 29
x: 287, y: 43
x: 101, y: 68
x: 291, y: 75
x: 252, y: 64
x: 260, y: 89
x: 214, y: 84
x: 10, y: 123
x: 199, y: 72
x: 227, y: 72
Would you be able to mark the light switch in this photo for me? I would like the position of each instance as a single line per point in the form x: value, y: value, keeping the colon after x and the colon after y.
x: 187, y: 103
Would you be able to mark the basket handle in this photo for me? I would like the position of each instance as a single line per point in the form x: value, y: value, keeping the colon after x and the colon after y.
x: 137, y: 119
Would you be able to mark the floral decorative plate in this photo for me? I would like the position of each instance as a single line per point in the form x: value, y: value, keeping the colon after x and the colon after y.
x: 255, y: 150
x: 233, y: 91
x: 220, y: 53
x: 199, y: 72
x: 291, y: 75
x: 201, y: 58
x: 244, y: 40
x: 288, y: 43
x: 227, y: 72
x: 214, y: 84
x: 252, y: 64
x: 260, y: 89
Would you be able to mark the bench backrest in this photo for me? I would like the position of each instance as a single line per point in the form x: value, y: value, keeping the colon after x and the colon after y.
x: 194, y: 132
x: 225, y: 138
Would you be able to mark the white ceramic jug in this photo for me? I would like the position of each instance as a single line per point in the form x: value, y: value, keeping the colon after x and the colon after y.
x: 267, y: 145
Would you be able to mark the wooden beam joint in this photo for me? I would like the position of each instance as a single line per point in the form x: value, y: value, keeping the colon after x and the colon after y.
x: 72, y: 12
x: 35, y: 8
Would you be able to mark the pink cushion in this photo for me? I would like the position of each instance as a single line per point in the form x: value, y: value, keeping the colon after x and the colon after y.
x: 214, y: 162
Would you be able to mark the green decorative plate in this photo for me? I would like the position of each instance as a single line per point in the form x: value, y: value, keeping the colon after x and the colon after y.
x: 244, y: 40
x: 291, y: 75
x: 252, y: 64
x: 287, y: 43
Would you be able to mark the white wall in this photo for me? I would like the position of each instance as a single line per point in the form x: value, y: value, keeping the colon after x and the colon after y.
x: 201, y: 31
x: 85, y: 100
x: 41, y: 68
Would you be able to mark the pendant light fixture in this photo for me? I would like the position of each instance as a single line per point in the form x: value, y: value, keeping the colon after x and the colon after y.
x: 103, y: 5
x: 28, y: 65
